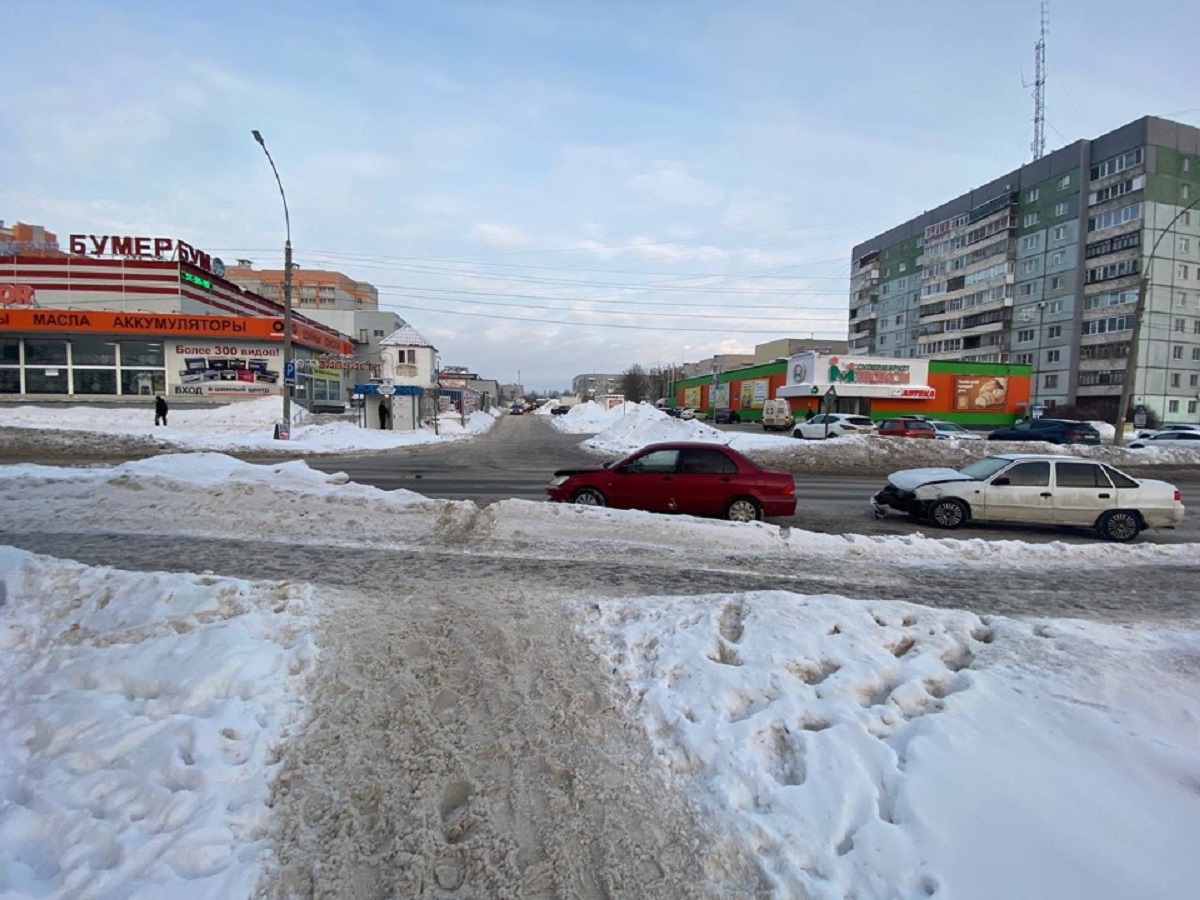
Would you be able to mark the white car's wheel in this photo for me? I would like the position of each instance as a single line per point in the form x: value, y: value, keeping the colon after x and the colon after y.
x: 948, y: 513
x: 1120, y: 525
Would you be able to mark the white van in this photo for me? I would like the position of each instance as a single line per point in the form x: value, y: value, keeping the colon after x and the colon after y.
x: 777, y: 416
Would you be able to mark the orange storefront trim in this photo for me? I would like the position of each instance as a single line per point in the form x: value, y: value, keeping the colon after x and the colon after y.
x: 143, y: 324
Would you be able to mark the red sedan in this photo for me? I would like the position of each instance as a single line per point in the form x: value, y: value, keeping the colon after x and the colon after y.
x: 696, y: 479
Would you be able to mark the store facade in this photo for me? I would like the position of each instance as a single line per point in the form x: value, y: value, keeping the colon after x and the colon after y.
x: 90, y: 326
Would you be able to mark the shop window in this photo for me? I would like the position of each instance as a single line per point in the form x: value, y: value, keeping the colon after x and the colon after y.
x: 141, y: 353
x: 93, y: 351
x: 45, y: 381
x: 10, y: 381
x: 94, y: 381
x: 38, y: 352
x: 142, y: 382
x: 10, y: 351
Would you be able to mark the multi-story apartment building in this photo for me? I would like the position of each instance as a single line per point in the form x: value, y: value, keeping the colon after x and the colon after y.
x: 1042, y: 266
x: 593, y: 384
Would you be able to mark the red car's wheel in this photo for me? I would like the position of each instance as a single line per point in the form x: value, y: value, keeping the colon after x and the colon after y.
x: 589, y: 497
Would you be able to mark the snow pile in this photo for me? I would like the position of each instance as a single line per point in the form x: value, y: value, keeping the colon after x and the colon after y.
x: 890, y: 750
x: 246, y: 425
x: 1107, y: 432
x: 142, y: 717
x: 591, y: 417
x: 642, y: 424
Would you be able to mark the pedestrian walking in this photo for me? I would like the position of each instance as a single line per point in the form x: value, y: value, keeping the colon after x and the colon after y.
x: 808, y: 414
x: 383, y: 415
x: 160, y: 411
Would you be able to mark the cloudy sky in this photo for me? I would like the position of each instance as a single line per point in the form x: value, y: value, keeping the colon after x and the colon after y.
x: 560, y: 187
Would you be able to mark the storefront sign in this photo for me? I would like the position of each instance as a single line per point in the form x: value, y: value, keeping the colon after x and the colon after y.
x: 16, y: 295
x: 159, y: 247
x: 864, y: 372
x: 980, y: 392
x: 106, y: 322
x: 914, y: 392
x: 340, y: 363
x: 753, y: 394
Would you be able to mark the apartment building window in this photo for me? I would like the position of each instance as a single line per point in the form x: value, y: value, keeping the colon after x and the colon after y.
x: 1177, y: 352
x: 1111, y: 376
x: 1120, y: 189
x: 1194, y: 380
x: 1182, y: 271
x: 1054, y: 331
x: 903, y: 267
x: 1026, y: 290
x: 1196, y: 354
x: 1196, y: 327
x: 378, y: 332
x: 1060, y: 232
x: 1024, y: 359
x: 1191, y: 406
x: 1025, y: 335
x: 1184, y: 192
x: 1115, y: 217
x: 1117, y: 164
x: 1034, y: 195
x: 899, y: 320
x: 1180, y: 325
x: 1173, y: 406
x: 1031, y: 241
x: 1108, y: 326
x: 1053, y: 356
x: 1056, y: 282
x: 1175, y: 380
x: 1029, y: 266
x: 1113, y: 245
x: 882, y: 339
x: 1185, y: 246
x: 1032, y: 219
x: 1187, y: 164
x: 1060, y: 209
x: 1181, y: 298
x: 1113, y: 270
x: 1056, y: 258
x: 1064, y: 183
x: 1186, y: 218
x: 1050, y: 381
x: 1112, y: 298
x: 1056, y: 306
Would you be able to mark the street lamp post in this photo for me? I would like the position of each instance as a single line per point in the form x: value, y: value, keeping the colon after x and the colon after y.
x: 288, y: 363
x: 1037, y: 358
x: 1139, y: 313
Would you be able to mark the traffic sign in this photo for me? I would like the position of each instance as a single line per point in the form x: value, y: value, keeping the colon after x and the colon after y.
x: 289, y: 370
x: 831, y: 394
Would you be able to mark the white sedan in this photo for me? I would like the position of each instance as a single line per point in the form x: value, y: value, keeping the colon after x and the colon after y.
x: 1034, y: 489
x: 1167, y: 439
x: 833, y: 425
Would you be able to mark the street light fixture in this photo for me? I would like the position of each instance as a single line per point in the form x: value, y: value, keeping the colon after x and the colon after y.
x: 1037, y: 358
x: 288, y: 362
x: 1139, y: 313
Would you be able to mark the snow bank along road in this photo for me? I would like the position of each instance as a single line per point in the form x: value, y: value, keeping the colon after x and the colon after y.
x: 501, y: 700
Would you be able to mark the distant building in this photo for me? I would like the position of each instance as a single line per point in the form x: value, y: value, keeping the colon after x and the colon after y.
x: 788, y: 347
x: 1042, y: 265
x: 22, y: 239
x: 594, y: 384
x: 722, y: 362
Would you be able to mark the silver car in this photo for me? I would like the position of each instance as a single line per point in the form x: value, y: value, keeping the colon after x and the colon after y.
x: 1034, y: 489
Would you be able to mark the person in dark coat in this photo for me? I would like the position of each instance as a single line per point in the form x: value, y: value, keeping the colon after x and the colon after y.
x: 160, y: 411
x: 383, y: 416
x: 808, y: 415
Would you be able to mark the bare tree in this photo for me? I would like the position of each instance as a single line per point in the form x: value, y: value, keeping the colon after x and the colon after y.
x: 635, y: 383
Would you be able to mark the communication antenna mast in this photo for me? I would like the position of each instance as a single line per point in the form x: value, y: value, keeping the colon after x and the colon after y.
x: 1039, y: 88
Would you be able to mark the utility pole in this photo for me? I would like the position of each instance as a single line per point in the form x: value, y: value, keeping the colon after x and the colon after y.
x: 1139, y: 314
x: 289, y: 365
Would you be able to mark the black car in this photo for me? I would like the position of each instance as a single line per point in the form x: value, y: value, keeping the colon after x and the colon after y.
x: 1051, y: 431
x: 560, y: 410
x: 726, y: 417
x: 672, y: 411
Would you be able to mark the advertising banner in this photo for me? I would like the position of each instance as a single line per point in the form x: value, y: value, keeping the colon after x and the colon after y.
x: 722, y: 397
x: 222, y: 368
x: 691, y: 397
x: 980, y: 393
x: 612, y: 401
x: 753, y: 393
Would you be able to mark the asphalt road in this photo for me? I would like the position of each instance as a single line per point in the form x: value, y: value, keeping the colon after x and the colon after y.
x: 515, y: 461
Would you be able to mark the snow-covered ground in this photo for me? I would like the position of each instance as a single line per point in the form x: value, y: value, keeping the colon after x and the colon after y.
x: 246, y: 425
x: 855, y: 747
x: 631, y: 426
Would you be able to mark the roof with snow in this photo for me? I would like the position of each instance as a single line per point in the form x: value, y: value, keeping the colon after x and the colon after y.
x: 406, y: 337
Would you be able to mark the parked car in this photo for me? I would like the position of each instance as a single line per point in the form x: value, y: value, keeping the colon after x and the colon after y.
x: 1052, y: 431
x: 726, y: 417
x: 693, y: 478
x: 839, y: 424
x: 1179, y: 426
x: 906, y: 426
x: 687, y: 413
x: 1167, y: 439
x: 673, y: 411
x: 516, y: 409
x: 777, y: 415
x: 560, y: 410
x: 1036, y: 489
x: 949, y: 431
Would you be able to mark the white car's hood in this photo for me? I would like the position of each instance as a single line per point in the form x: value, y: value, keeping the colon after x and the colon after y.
x: 911, y: 479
